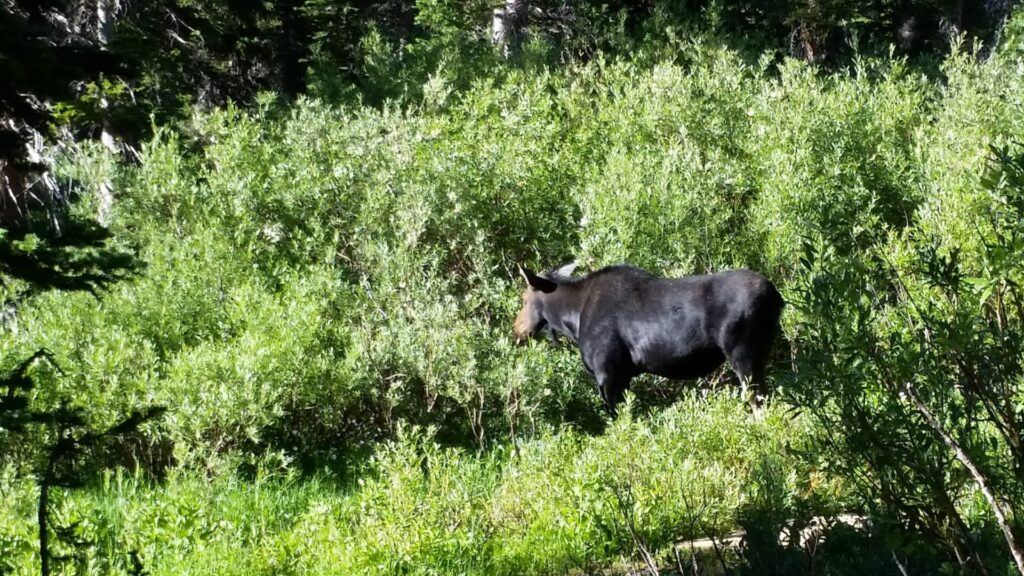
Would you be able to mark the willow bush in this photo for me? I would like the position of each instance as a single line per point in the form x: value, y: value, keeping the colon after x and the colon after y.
x: 321, y: 277
x: 360, y: 262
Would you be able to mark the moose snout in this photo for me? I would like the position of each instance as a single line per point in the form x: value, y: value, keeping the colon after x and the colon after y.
x: 521, y: 329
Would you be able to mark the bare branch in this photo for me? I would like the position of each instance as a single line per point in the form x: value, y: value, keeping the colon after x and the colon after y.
x: 979, y: 478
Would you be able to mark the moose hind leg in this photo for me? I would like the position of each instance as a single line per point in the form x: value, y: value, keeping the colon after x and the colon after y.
x: 752, y: 389
x: 748, y: 364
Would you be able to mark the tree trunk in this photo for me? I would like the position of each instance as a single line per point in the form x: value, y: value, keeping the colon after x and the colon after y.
x: 44, y: 520
x: 294, y: 43
x: 106, y: 11
x: 808, y: 38
x: 508, y: 24
x: 908, y: 27
x: 12, y: 194
x: 951, y: 24
x: 998, y: 12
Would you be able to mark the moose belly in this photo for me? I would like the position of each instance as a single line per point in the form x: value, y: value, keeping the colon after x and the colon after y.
x: 694, y: 364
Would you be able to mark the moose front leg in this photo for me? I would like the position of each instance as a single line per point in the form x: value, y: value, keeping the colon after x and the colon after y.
x: 609, y: 364
x: 611, y: 387
x: 754, y: 391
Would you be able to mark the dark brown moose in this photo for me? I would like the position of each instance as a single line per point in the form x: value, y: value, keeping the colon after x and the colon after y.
x: 627, y: 322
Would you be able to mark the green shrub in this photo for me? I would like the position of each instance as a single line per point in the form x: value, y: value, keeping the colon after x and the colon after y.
x: 548, y: 505
x: 322, y: 278
x: 355, y: 266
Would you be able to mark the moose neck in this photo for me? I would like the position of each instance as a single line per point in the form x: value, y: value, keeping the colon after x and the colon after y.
x: 562, y: 310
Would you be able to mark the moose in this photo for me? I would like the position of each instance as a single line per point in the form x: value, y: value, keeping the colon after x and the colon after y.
x: 627, y: 321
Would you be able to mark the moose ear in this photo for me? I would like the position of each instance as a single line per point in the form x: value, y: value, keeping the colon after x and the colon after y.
x: 567, y: 270
x: 537, y: 282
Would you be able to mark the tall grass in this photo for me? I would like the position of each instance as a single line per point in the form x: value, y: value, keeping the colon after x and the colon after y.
x: 550, y: 505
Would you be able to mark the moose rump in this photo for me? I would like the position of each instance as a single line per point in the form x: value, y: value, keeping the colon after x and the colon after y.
x: 627, y: 322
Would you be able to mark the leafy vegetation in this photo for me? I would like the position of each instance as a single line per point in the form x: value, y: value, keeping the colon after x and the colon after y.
x: 554, y: 505
x: 326, y: 305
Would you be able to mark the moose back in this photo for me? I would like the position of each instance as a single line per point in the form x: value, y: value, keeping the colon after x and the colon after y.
x: 627, y: 322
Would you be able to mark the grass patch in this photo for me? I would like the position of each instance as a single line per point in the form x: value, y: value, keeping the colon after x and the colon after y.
x: 551, y: 505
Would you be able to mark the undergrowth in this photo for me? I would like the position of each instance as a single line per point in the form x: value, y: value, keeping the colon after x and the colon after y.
x: 549, y: 505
